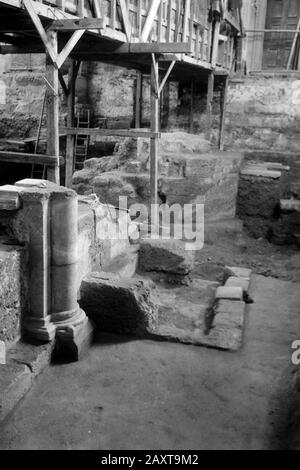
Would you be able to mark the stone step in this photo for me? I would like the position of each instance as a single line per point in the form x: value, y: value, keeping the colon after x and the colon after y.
x: 260, y: 171
x: 124, y: 264
x: 289, y: 205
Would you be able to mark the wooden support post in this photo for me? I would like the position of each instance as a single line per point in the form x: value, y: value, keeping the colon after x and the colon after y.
x: 52, y: 109
x: 138, y: 100
x: 223, y: 113
x: 70, y: 123
x: 154, y: 143
x: 192, y: 108
x: 209, y: 104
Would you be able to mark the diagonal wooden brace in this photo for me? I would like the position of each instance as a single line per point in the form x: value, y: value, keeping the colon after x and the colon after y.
x: 40, y: 28
x: 57, y: 59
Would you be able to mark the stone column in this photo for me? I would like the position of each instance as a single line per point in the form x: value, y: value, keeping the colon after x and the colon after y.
x: 47, y: 221
x: 65, y: 310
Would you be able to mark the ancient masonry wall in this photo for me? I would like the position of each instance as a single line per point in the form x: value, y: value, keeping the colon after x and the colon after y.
x: 263, y: 113
x: 107, y: 90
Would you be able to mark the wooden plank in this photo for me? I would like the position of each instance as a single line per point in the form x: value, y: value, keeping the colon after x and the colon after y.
x: 77, y: 24
x: 52, y: 110
x: 70, y: 123
x: 30, y: 158
x: 111, y: 132
x: 154, y: 5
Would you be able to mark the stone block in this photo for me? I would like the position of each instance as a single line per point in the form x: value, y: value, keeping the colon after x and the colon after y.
x: 169, y: 256
x: 230, y: 293
x: 73, y: 342
x: 15, y: 381
x: 242, y: 282
x: 289, y: 205
x: 238, y: 272
x: 35, y: 356
x: 119, y: 305
x: 228, y: 325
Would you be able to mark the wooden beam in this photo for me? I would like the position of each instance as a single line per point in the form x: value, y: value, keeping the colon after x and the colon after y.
x: 64, y: 54
x: 63, y: 83
x: 110, y: 132
x: 30, y: 158
x: 154, y: 69
x: 40, y: 29
x: 223, y: 113
x: 164, y: 80
x: 154, y: 146
x: 293, y: 49
x: 154, y: 5
x: 125, y: 18
x: 192, y: 107
x: 138, y: 99
x: 112, y: 49
x: 70, y: 123
x: 76, y: 24
x: 52, y: 109
x: 209, y: 103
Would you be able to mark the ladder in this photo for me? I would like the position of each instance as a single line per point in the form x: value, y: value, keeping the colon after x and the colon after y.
x: 82, y: 140
x: 39, y: 171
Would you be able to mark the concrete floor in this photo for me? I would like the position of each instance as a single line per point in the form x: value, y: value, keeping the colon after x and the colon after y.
x: 155, y: 395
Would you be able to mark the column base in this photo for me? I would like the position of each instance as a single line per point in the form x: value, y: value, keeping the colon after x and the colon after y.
x: 41, y: 329
x: 73, y: 341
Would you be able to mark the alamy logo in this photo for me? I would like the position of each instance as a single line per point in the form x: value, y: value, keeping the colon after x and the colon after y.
x: 161, y: 221
x: 296, y: 353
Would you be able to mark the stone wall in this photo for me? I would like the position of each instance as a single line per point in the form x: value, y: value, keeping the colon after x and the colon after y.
x: 13, y: 298
x: 110, y: 94
x: 107, y: 90
x: 263, y: 113
x: 188, y: 173
x: 21, y: 94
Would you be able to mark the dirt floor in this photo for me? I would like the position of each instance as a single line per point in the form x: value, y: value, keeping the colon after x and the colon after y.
x: 267, y: 259
x: 129, y: 394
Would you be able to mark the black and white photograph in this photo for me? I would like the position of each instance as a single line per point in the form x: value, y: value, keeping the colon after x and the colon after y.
x: 149, y: 228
